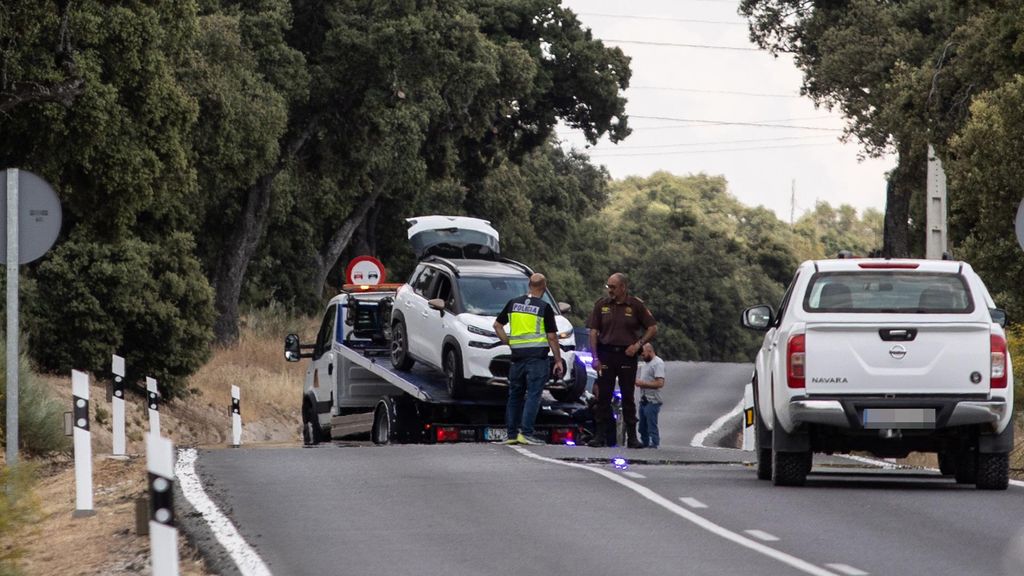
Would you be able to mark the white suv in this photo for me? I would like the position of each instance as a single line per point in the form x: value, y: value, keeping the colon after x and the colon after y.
x: 443, y: 317
x: 887, y: 357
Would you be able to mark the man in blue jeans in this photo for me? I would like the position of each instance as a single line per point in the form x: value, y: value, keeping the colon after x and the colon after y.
x: 650, y: 379
x: 532, y: 333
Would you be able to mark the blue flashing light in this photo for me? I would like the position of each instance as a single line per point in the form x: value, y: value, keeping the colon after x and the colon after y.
x: 620, y: 463
x: 570, y: 443
x: 586, y: 358
x: 617, y: 394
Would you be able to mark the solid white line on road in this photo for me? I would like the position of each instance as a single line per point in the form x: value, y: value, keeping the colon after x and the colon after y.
x: 762, y: 535
x: 693, y: 503
x: 245, y: 558
x: 700, y: 521
x: 848, y: 570
x: 700, y: 437
x: 636, y: 475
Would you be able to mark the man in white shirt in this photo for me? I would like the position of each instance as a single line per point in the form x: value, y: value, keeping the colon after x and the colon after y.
x: 650, y: 379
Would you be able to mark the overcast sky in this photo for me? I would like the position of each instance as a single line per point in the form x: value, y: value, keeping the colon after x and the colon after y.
x: 677, y: 94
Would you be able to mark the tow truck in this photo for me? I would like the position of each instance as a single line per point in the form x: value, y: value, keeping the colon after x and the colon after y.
x: 351, y: 385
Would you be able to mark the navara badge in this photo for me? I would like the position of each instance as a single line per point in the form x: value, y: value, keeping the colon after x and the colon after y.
x: 898, y: 351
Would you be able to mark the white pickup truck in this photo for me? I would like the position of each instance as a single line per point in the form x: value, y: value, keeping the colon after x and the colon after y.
x: 886, y: 357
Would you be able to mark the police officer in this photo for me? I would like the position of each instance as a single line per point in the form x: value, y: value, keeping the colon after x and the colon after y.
x: 620, y: 325
x: 532, y: 332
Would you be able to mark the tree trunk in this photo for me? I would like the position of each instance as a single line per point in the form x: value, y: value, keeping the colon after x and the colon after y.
x: 903, y: 181
x: 244, y: 240
x: 339, y: 241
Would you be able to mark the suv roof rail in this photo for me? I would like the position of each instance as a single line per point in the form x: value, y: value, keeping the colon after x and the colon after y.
x: 444, y: 262
x: 526, y: 269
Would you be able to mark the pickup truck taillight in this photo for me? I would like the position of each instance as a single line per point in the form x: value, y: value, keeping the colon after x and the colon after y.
x: 998, y: 361
x: 795, y: 358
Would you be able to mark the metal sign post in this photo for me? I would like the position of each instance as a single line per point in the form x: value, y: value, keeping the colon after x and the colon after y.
x: 236, y: 416
x: 153, y: 394
x: 163, y: 531
x: 83, y: 445
x: 117, y: 404
x: 13, y: 331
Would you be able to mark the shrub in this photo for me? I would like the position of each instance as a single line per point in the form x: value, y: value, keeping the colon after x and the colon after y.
x: 40, y: 415
x: 149, y: 303
x: 17, y: 509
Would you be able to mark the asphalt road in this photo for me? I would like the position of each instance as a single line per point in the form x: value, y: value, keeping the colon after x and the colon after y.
x: 472, y: 509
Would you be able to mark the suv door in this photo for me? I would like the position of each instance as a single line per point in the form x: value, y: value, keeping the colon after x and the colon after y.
x: 438, y: 323
x: 416, y: 312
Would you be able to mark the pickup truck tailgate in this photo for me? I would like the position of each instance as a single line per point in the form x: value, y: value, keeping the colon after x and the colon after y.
x: 880, y: 359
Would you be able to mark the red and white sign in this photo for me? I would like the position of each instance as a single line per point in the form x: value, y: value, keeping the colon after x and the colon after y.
x: 365, y: 270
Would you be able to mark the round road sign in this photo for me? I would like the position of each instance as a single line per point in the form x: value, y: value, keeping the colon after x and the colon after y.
x: 365, y: 270
x: 39, y: 216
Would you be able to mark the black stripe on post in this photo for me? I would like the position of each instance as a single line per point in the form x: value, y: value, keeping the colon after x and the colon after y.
x: 161, y: 500
x: 236, y: 407
x: 81, y: 413
x: 154, y: 401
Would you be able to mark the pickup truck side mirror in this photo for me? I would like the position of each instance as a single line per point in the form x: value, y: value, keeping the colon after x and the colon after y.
x: 758, y: 317
x: 998, y: 316
x: 564, y: 307
x: 293, y: 349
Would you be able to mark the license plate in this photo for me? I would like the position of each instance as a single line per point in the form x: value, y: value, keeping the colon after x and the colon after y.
x: 495, y: 434
x: 899, y: 418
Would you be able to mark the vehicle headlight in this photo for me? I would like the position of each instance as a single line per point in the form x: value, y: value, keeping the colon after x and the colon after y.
x: 481, y: 331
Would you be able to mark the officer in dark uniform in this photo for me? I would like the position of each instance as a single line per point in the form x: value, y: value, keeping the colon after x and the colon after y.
x: 619, y: 325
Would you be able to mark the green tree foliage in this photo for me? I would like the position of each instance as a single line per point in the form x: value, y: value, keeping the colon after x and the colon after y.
x: 146, y: 302
x: 830, y: 230
x: 40, y: 415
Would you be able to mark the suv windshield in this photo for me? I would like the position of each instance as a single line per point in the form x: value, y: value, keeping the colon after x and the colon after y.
x: 888, y: 292
x: 486, y: 296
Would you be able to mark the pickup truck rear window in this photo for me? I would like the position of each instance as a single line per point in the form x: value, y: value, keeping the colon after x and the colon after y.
x: 895, y: 292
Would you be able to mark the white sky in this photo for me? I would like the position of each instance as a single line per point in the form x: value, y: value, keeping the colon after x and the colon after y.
x: 761, y: 164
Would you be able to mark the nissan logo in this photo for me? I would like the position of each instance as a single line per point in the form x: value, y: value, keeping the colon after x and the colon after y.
x: 898, y: 351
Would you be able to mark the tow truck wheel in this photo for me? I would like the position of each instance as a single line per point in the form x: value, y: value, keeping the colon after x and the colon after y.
x: 311, y: 432
x: 453, y: 373
x: 400, y: 358
x: 381, y: 425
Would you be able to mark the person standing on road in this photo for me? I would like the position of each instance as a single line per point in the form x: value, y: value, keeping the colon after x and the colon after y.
x: 620, y: 325
x: 650, y: 379
x: 532, y: 333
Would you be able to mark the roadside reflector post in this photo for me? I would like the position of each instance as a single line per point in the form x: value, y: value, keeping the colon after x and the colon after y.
x: 117, y: 405
x: 83, y: 445
x: 748, y: 418
x: 153, y: 402
x: 163, y: 531
x: 236, y: 416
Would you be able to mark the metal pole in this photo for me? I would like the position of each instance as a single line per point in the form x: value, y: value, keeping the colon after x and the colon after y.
x: 83, y: 445
x: 12, y: 316
x: 236, y: 416
x: 153, y: 393
x: 117, y: 403
x: 163, y: 531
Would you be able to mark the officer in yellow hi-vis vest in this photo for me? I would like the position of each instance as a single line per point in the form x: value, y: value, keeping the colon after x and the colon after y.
x: 532, y: 333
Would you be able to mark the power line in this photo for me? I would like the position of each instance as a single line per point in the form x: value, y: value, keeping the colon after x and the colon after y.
x: 680, y: 45
x: 728, y: 123
x: 661, y: 19
x: 746, y: 149
x: 732, y: 92
x: 714, y: 143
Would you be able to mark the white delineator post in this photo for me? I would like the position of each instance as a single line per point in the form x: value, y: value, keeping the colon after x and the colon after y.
x: 83, y: 445
x: 236, y: 416
x: 748, y: 417
x: 163, y: 531
x: 117, y: 404
x: 153, y: 400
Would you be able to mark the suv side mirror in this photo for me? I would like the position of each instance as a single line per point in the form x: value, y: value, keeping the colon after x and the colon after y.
x: 758, y: 317
x: 998, y: 316
x: 564, y: 307
x: 436, y: 304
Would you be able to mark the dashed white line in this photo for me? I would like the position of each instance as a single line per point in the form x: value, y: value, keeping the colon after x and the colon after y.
x: 636, y: 475
x: 698, y: 520
x: 848, y: 570
x: 693, y: 503
x: 762, y: 535
x: 245, y: 558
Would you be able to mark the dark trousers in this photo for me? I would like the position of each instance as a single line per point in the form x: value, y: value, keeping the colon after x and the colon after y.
x: 615, y: 364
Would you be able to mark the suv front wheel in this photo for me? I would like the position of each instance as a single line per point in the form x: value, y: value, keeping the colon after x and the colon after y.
x: 400, y: 358
x: 454, y: 380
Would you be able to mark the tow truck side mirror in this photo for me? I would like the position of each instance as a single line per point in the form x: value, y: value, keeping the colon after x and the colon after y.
x: 758, y: 317
x: 293, y: 349
x: 564, y: 307
x: 998, y: 316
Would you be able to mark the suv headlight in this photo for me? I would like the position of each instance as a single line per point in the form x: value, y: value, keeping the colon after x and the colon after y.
x: 481, y: 331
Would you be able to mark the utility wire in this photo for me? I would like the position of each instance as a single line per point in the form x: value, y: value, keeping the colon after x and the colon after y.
x: 728, y: 123
x: 731, y: 92
x: 681, y: 45
x: 662, y: 19
x: 716, y: 151
x: 714, y: 143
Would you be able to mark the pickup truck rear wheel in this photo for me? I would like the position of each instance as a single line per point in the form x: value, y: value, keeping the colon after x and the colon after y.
x: 790, y: 468
x: 947, y: 463
x: 993, y: 471
x: 400, y: 358
x: 966, y: 467
x: 762, y: 448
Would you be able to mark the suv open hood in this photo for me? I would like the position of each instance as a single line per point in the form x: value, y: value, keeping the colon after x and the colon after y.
x: 453, y: 237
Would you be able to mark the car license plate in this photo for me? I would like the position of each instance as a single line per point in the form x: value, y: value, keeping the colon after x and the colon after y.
x: 899, y: 418
x: 495, y: 434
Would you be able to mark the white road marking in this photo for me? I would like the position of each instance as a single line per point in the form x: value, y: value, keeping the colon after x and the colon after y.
x: 245, y: 558
x: 762, y: 535
x: 700, y: 521
x: 848, y: 570
x: 700, y: 437
x: 636, y: 475
x: 693, y: 503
